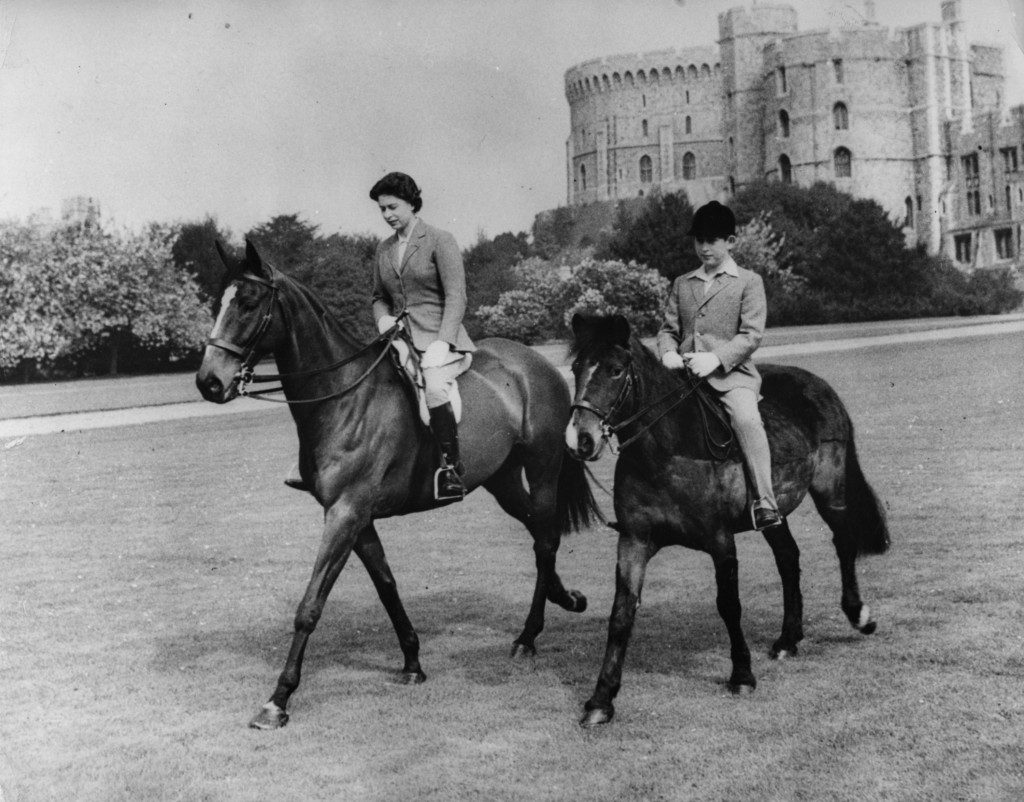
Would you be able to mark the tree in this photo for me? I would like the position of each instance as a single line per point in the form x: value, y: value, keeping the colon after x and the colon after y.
x: 288, y: 241
x: 488, y: 266
x: 655, y: 235
x: 193, y: 251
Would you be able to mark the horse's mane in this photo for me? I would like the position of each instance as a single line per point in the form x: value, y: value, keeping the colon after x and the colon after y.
x: 302, y: 301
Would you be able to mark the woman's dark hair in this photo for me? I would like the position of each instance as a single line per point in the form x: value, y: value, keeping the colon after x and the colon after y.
x: 401, y: 186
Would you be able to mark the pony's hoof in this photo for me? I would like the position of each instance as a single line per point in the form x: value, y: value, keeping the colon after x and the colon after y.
x: 521, y: 651
x: 741, y: 684
x: 270, y: 717
x: 865, y: 623
x: 410, y: 677
x: 596, y: 716
x: 578, y: 603
x: 781, y: 652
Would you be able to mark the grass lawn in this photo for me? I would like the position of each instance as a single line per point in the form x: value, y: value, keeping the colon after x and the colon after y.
x: 151, y: 574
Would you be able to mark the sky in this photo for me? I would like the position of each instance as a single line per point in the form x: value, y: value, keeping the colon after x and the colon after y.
x: 172, y: 110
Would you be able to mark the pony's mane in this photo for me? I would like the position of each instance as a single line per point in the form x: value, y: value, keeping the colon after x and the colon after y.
x: 295, y: 292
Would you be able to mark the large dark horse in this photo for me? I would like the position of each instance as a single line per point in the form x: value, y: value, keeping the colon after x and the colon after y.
x: 679, y: 481
x: 365, y: 455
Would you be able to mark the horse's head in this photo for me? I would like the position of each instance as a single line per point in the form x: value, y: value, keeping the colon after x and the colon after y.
x: 247, y: 327
x: 602, y: 368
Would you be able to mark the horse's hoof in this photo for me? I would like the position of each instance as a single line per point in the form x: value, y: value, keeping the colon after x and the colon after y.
x: 780, y: 652
x: 597, y: 716
x: 579, y: 602
x: 742, y: 683
x: 410, y: 677
x: 865, y: 624
x: 523, y: 650
x: 270, y: 717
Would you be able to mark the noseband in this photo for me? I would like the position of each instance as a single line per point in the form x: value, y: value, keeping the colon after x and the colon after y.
x: 248, y: 354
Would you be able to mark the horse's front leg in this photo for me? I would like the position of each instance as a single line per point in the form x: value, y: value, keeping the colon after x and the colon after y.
x: 370, y: 550
x: 787, y: 559
x: 341, y: 526
x: 723, y: 553
x: 634, y: 554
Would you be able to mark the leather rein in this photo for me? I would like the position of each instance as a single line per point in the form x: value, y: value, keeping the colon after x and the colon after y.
x: 717, y: 448
x: 249, y: 355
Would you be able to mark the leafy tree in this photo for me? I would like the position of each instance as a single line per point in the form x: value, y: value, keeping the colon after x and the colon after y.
x: 287, y: 241
x: 193, y: 251
x: 78, y: 290
x: 655, y: 235
x: 488, y: 266
x: 553, y: 232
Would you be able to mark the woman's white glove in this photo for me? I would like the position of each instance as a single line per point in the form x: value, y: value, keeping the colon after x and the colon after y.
x: 703, y: 363
x: 386, y: 322
x: 673, y: 360
x: 436, y: 354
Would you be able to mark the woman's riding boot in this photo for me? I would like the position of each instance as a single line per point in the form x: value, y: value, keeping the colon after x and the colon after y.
x: 447, y: 479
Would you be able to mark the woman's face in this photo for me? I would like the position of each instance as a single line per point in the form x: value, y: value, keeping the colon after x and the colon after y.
x: 396, y: 212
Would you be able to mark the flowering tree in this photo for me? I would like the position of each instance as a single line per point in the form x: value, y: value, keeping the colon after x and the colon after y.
x: 75, y: 290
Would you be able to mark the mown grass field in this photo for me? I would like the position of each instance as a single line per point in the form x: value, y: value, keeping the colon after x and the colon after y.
x: 150, y: 575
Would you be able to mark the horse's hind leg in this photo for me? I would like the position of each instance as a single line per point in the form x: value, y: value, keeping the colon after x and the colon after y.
x: 831, y: 505
x: 370, y: 550
x: 787, y: 558
x: 634, y: 555
x: 536, y: 510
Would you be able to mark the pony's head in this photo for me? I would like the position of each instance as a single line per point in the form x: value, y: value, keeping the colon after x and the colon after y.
x: 248, y: 326
x: 602, y: 368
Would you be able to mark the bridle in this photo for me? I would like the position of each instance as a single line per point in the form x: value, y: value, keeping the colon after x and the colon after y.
x: 630, y: 381
x: 249, y: 354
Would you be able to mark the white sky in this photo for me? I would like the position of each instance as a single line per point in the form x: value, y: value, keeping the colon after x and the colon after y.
x: 174, y: 109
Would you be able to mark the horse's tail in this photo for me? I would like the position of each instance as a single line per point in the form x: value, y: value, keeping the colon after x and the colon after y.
x: 575, y: 505
x: 867, y: 516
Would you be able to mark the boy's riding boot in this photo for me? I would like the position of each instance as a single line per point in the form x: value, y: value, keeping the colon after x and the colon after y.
x: 448, y: 484
x: 765, y: 514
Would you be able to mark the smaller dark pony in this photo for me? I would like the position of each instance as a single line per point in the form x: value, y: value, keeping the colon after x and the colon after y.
x: 679, y: 481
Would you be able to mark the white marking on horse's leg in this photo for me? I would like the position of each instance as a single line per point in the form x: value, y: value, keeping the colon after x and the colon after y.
x: 865, y: 617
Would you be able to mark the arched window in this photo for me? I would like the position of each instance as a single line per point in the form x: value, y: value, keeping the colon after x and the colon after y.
x: 840, y: 117
x: 785, y: 169
x: 628, y: 78
x: 645, y: 170
x: 783, y: 123
x: 689, y: 166
x: 689, y: 125
x: 691, y: 72
x: 843, y: 163
x: 643, y: 125
x: 908, y: 221
x: 666, y: 73
x: 583, y: 176
x: 705, y: 71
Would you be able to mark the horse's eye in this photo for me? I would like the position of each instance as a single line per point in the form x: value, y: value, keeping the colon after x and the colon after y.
x: 617, y: 372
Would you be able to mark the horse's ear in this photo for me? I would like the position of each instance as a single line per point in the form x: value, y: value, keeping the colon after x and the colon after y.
x: 580, y: 325
x: 620, y: 330
x: 254, y: 262
x: 228, y: 261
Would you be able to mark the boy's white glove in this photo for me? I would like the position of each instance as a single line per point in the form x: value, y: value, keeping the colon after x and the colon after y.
x: 702, y: 364
x: 673, y: 360
x: 436, y: 354
x: 386, y: 322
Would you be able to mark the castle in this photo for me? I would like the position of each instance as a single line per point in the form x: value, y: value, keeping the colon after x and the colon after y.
x: 913, y: 118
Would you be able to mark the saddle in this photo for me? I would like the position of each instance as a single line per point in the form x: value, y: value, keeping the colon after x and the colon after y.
x: 407, y: 362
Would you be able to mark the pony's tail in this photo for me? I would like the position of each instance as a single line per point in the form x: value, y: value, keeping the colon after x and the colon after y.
x: 575, y: 506
x: 866, y: 515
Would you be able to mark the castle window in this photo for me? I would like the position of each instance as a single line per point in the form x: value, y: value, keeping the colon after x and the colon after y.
x: 1004, y: 243
x: 732, y: 185
x: 908, y: 220
x: 783, y: 123
x: 680, y: 73
x: 837, y: 70
x: 962, y: 244
x: 687, y: 95
x: 616, y: 79
x: 1009, y: 199
x: 689, y: 166
x: 641, y: 76
x: 970, y: 165
x: 785, y: 169
x: 780, y: 74
x: 1009, y: 159
x: 646, y: 175
x: 689, y: 125
x: 705, y: 71
x: 643, y: 99
x: 919, y: 203
x: 666, y: 73
x: 842, y: 161
x: 973, y: 202
x: 691, y: 72
x: 583, y: 176
x: 840, y: 117
x: 643, y: 126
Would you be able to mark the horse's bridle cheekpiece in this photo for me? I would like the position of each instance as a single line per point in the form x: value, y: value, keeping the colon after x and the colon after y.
x: 248, y: 353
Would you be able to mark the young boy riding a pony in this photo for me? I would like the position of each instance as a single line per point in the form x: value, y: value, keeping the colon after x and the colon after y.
x: 714, y: 321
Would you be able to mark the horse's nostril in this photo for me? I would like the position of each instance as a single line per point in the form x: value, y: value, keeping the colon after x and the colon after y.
x: 586, y: 443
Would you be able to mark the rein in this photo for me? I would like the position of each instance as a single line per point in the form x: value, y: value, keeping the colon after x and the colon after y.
x: 249, y: 355
x: 717, y: 448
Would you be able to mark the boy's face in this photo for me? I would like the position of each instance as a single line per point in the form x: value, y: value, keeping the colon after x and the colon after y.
x: 712, y: 252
